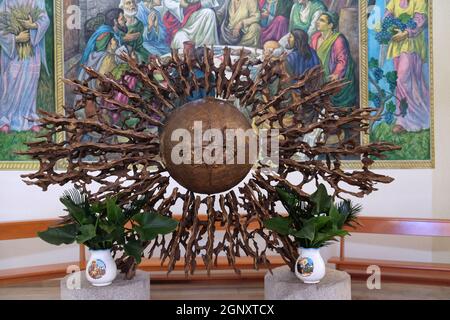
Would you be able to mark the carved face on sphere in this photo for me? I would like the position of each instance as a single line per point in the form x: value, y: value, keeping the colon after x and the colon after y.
x: 205, y: 146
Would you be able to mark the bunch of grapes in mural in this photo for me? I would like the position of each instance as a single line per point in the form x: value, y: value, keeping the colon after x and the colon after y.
x: 385, y: 100
x: 392, y: 25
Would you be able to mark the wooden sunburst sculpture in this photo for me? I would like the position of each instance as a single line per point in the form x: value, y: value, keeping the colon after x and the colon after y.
x: 129, y: 159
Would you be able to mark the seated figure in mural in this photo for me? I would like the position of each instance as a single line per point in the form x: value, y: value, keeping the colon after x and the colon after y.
x: 190, y: 20
x: 134, y: 39
x: 303, y: 57
x: 101, y: 47
x: 274, y: 19
x: 304, y: 15
x: 241, y: 23
x: 334, y: 52
x: 409, y: 51
x: 155, y: 32
x: 21, y: 58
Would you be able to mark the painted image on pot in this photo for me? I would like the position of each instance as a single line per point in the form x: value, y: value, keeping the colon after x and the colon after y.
x: 312, y: 32
x: 399, y: 76
x: 27, y: 78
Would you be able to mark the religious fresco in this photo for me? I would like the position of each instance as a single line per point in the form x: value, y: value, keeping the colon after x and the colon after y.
x: 27, y: 74
x: 345, y: 37
x: 311, y: 32
x: 154, y: 27
x: 399, y: 78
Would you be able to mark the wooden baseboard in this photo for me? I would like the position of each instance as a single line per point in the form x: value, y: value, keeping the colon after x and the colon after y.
x: 396, y: 271
x: 32, y: 274
x: 222, y: 272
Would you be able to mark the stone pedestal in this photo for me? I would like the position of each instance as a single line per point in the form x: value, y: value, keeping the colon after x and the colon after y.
x: 76, y: 287
x: 284, y: 285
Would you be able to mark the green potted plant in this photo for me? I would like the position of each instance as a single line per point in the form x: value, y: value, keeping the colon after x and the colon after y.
x: 103, y: 225
x: 313, y: 222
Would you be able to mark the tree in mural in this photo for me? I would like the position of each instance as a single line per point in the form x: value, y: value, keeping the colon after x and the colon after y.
x: 385, y: 101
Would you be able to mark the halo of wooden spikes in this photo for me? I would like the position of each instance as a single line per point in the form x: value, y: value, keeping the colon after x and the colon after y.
x: 134, y: 171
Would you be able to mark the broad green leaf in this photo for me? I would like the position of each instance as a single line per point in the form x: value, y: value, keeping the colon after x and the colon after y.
x: 87, y: 232
x: 337, y: 218
x: 146, y: 234
x: 101, y: 241
x: 156, y: 223
x: 60, y: 235
x: 307, y: 232
x: 138, y: 218
x: 280, y: 225
x: 76, y: 211
x: 134, y: 249
x: 98, y: 207
x: 118, y: 235
x: 334, y: 213
x: 321, y: 239
x: 322, y: 222
x: 114, y: 212
x: 289, y: 199
x: 321, y: 199
x: 107, y: 227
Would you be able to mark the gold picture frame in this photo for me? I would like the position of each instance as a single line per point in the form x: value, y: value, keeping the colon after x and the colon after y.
x: 364, y: 89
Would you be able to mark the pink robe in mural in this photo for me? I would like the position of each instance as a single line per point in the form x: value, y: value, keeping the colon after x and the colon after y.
x: 411, y: 84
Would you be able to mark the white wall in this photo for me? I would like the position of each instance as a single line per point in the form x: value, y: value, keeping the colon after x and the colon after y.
x: 415, y: 193
x: 441, y: 176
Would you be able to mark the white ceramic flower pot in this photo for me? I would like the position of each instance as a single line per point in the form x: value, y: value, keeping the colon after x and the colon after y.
x: 101, y: 268
x: 310, y: 267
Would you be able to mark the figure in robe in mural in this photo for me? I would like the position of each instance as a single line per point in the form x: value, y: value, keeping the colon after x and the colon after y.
x: 100, y: 51
x: 155, y: 33
x: 304, y: 15
x: 134, y: 39
x: 409, y: 51
x: 334, y: 52
x: 241, y: 23
x: 21, y: 58
x: 190, y: 20
x: 274, y: 19
x: 303, y: 57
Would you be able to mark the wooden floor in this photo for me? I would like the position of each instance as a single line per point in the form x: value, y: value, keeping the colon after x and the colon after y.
x: 249, y: 290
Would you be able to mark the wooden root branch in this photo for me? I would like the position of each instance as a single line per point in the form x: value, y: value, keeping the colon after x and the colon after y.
x: 123, y: 156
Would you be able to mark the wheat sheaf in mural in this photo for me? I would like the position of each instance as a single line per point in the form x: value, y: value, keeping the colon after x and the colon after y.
x: 117, y: 139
